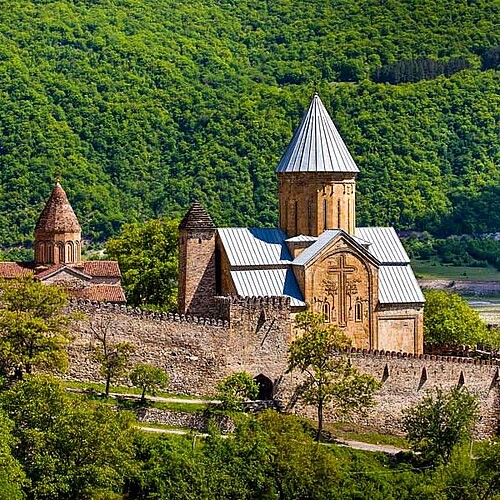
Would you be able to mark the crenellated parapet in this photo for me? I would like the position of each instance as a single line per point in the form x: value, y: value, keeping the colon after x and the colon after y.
x: 89, y: 307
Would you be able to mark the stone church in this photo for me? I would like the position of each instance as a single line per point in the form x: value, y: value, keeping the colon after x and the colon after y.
x: 359, y: 278
x: 58, y: 256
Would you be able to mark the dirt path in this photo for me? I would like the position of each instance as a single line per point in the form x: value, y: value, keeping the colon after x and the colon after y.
x: 158, y: 399
x: 356, y: 445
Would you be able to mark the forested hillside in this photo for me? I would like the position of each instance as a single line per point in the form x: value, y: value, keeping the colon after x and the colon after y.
x: 142, y: 105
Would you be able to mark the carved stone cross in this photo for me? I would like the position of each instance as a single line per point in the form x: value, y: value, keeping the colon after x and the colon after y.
x: 343, y: 272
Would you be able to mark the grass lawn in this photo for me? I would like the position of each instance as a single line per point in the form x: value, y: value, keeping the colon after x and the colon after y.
x: 429, y: 269
x: 86, y: 386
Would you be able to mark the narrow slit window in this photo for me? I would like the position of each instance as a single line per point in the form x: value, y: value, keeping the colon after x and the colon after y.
x: 358, y: 311
x: 325, y: 223
x: 326, y: 312
x: 296, y: 215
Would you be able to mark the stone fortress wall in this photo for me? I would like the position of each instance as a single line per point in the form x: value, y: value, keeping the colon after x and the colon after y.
x: 254, y: 336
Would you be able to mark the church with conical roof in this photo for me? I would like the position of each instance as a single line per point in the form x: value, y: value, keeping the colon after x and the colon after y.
x: 358, y: 278
x: 58, y: 256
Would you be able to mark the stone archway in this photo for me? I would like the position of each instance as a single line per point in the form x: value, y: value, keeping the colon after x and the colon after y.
x: 266, y: 387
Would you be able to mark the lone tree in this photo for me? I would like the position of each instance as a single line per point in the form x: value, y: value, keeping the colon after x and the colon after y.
x: 449, y: 320
x: 329, y: 377
x: 112, y: 356
x: 33, y: 326
x: 439, y: 422
x: 148, y: 378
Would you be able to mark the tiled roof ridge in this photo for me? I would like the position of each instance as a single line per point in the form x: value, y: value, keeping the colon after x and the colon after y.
x: 197, y: 218
x: 58, y: 215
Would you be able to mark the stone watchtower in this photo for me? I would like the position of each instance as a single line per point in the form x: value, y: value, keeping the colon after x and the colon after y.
x: 58, y: 235
x: 197, y: 275
x: 316, y: 178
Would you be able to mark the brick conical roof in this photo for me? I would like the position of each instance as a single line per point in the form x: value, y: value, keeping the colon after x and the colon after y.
x: 58, y: 216
x: 197, y: 218
x: 317, y: 145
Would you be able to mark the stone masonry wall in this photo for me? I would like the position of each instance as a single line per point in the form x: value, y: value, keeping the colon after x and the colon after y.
x: 198, y: 353
x: 406, y: 379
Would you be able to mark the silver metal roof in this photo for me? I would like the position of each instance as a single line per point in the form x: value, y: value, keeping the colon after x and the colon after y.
x: 317, y: 145
x: 254, y: 247
x: 268, y: 283
x: 398, y: 285
x: 301, y: 237
x: 385, y: 244
x: 323, y: 239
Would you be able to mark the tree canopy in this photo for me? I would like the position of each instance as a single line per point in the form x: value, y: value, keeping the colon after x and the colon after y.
x: 449, y: 320
x: 440, y: 422
x: 148, y: 258
x: 33, y: 326
x: 142, y: 106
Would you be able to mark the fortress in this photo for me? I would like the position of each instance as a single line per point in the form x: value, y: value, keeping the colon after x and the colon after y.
x: 240, y: 288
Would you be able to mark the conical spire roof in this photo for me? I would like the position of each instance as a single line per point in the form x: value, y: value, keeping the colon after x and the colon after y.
x: 58, y: 216
x: 197, y: 218
x: 317, y: 145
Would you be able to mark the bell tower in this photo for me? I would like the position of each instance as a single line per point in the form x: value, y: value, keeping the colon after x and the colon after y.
x: 197, y: 279
x: 317, y: 178
x: 58, y: 235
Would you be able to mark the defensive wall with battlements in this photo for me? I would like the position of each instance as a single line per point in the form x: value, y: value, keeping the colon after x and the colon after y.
x: 253, y: 336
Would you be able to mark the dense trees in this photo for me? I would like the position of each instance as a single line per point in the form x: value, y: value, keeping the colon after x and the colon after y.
x: 142, y: 105
x: 68, y: 448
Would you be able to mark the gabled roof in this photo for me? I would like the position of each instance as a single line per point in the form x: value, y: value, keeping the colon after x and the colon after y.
x: 250, y: 247
x: 10, y: 270
x: 324, y: 239
x: 102, y: 268
x: 317, y: 145
x: 62, y: 268
x: 385, y: 246
x: 398, y: 285
x: 58, y: 216
x: 268, y: 283
x: 197, y: 218
x: 100, y: 293
x: 301, y: 238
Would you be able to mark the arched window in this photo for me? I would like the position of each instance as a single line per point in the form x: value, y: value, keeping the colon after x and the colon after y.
x: 71, y: 251
x: 49, y: 253
x: 61, y: 252
x: 78, y: 251
x: 358, y: 311
x: 40, y: 252
x: 325, y: 221
x: 326, y: 312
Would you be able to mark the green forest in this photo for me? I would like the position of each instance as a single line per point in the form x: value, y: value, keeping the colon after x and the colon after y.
x: 142, y: 106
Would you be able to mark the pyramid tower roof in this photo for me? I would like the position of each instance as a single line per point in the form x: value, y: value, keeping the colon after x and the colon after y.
x: 317, y: 145
x: 58, y: 216
x: 197, y: 218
